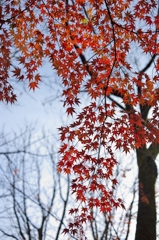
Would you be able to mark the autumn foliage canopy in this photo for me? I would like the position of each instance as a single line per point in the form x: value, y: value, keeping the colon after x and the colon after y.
x: 88, y: 44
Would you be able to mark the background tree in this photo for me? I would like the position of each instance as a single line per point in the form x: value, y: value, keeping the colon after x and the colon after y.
x: 89, y: 44
x: 32, y: 197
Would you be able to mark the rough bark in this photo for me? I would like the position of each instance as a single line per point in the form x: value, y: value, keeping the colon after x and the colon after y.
x: 146, y: 219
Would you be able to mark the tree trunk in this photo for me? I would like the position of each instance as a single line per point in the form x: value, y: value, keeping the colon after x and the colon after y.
x: 146, y: 219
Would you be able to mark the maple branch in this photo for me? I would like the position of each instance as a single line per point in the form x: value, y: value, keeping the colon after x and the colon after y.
x: 112, y: 23
x: 82, y: 57
x: 85, y: 11
x: 114, y: 38
x: 145, y: 108
x: 100, y: 50
x: 148, y: 65
x: 119, y: 105
x: 128, y: 30
x: 84, y: 61
x: 16, y: 15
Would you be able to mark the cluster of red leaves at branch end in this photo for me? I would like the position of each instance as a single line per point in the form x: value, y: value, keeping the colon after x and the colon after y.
x: 21, y: 47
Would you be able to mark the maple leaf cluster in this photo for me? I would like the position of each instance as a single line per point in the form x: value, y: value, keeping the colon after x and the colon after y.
x: 63, y: 32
